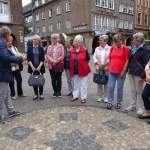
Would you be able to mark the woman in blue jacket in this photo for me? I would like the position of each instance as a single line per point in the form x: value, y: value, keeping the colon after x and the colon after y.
x: 36, y: 58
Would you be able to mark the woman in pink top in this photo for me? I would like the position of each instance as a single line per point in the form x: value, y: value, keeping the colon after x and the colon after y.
x: 101, y: 60
x: 55, y: 56
x: 119, y: 58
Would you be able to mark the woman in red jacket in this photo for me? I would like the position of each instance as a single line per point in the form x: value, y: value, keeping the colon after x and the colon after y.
x: 79, y: 69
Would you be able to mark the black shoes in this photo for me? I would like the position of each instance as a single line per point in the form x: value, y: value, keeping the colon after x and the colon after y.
x: 109, y: 106
x: 57, y: 95
x: 14, y: 114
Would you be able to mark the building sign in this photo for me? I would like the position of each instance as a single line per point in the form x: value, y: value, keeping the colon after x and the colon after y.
x: 80, y: 27
x: 125, y: 30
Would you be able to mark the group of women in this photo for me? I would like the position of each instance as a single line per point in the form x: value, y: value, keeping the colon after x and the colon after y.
x: 74, y: 58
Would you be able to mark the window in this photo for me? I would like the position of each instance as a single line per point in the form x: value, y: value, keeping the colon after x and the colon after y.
x: 105, y: 3
x: 51, y: 28
x: 139, y: 18
x: 68, y: 6
x: 44, y: 29
x: 43, y: 16
x: 146, y: 20
x: 37, y: 17
x: 58, y: 10
x: 104, y: 22
x: 43, y: 1
x: 50, y: 13
x: 68, y: 24
x: 36, y: 3
x: 125, y: 24
x: 58, y: 25
x: 126, y: 9
x: 4, y: 8
x: 37, y: 30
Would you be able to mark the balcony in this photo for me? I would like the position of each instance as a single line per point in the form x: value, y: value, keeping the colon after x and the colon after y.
x: 6, y: 18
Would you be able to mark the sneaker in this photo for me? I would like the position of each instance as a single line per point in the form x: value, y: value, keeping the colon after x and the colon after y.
x: 59, y: 95
x: 109, y: 106
x: 100, y: 100
x: 22, y: 96
x: 130, y: 108
x: 140, y: 112
x: 54, y: 95
x: 35, y: 97
x: 106, y: 100
x: 118, y: 106
x: 14, y: 114
x: 41, y: 97
x: 83, y: 101
x: 13, y: 98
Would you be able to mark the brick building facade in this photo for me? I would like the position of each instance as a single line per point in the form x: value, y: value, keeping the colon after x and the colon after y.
x: 89, y: 17
x: 142, y: 17
x: 11, y: 16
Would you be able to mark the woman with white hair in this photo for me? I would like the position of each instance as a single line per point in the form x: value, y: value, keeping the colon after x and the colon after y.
x: 79, y: 69
x: 101, y: 60
x: 55, y: 56
x: 36, y: 58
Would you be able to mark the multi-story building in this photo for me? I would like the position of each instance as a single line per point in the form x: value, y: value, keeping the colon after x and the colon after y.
x: 28, y: 19
x: 87, y: 17
x: 142, y: 17
x: 11, y: 16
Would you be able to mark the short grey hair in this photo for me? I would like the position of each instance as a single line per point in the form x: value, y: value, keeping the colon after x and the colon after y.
x: 78, y: 38
x: 105, y: 37
x: 139, y: 35
x: 5, y: 31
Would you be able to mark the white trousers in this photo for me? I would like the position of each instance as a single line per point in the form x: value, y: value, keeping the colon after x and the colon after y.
x: 80, y: 86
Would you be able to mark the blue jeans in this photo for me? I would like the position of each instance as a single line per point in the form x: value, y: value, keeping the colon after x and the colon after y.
x: 113, y: 78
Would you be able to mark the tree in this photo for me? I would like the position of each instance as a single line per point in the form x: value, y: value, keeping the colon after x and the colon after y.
x: 26, y: 28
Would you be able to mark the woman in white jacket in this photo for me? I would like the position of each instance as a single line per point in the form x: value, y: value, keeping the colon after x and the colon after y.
x: 101, y: 60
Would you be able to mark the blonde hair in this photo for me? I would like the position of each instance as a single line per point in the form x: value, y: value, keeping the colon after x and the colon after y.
x: 78, y: 38
x: 36, y: 37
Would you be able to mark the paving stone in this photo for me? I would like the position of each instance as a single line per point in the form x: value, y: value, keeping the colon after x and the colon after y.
x: 68, y: 116
x: 74, y: 141
x: 19, y: 133
x: 116, y: 125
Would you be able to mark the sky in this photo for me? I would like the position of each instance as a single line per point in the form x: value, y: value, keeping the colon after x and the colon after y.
x: 25, y: 2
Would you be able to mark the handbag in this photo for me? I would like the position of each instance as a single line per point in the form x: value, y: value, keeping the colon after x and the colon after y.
x: 36, y: 80
x: 100, y: 78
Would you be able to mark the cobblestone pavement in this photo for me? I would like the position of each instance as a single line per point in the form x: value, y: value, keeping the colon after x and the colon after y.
x: 75, y: 128
x: 58, y: 124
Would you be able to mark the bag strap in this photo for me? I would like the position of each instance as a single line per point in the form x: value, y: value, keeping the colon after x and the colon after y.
x: 137, y: 62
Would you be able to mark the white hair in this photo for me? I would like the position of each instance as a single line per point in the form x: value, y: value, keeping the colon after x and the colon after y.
x: 78, y: 38
x: 105, y: 37
x: 5, y: 31
x: 139, y: 35
x: 36, y: 37
x: 55, y: 35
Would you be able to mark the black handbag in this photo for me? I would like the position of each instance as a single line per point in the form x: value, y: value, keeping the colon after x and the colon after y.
x: 36, y: 80
x: 100, y: 78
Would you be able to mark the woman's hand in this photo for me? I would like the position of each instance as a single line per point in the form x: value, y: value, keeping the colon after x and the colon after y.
x: 33, y: 68
x: 122, y: 74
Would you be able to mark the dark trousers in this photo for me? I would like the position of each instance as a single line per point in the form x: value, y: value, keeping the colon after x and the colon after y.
x: 38, y: 90
x: 56, y: 78
x: 17, y: 76
x: 146, y: 97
